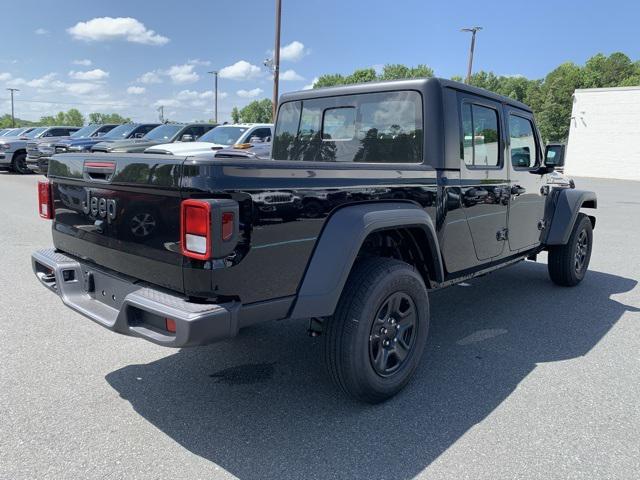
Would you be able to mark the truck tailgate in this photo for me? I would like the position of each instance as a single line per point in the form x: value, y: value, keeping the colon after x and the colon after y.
x: 122, y: 213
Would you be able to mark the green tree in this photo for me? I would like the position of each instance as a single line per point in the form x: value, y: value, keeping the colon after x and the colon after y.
x: 73, y: 117
x: 329, y: 80
x: 97, y: 117
x: 554, y: 111
x: 235, y: 115
x: 258, y: 111
x: 362, y: 75
x: 601, y: 71
x: 400, y: 72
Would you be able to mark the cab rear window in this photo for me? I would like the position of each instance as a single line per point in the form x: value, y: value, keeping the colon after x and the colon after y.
x: 383, y: 127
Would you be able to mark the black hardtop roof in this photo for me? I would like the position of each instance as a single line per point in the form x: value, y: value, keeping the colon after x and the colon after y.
x: 420, y: 84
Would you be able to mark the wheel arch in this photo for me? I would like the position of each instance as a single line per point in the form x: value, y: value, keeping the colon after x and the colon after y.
x: 565, y: 208
x: 342, y: 240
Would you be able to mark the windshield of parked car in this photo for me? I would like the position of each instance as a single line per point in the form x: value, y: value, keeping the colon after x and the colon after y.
x: 84, y: 132
x: 35, y: 132
x: 120, y: 132
x: 223, y: 135
x: 15, y: 132
x: 163, y: 132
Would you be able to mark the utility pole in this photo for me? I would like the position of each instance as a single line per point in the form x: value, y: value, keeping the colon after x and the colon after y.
x: 215, y: 95
x: 276, y: 59
x: 473, y: 31
x: 13, y: 118
x: 161, y: 113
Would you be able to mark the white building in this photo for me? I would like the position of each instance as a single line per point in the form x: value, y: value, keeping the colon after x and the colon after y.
x: 604, y: 138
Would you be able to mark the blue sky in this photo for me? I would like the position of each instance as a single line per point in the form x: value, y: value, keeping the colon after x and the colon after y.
x: 130, y: 56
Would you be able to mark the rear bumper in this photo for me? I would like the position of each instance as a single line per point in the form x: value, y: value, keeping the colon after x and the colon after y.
x: 129, y: 307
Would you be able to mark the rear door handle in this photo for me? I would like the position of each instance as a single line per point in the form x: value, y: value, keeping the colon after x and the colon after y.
x: 517, y: 190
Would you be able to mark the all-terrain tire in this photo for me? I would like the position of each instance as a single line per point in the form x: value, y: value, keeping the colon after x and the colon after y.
x: 19, y: 164
x: 568, y: 264
x: 354, y: 344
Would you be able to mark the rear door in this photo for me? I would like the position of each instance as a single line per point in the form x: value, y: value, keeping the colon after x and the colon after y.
x: 483, y: 174
x: 526, y: 207
x: 122, y: 213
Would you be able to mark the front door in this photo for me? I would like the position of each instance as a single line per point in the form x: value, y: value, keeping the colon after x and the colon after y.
x: 483, y: 175
x: 526, y: 206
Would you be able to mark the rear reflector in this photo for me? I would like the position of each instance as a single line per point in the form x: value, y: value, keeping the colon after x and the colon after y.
x: 170, y: 325
x: 45, y: 199
x: 227, y: 226
x: 195, y: 229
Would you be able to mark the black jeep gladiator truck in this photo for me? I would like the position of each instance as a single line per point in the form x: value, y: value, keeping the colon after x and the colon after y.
x: 423, y: 184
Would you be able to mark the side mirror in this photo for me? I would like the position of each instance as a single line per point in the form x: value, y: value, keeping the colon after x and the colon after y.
x: 186, y: 138
x: 255, y: 140
x: 100, y: 134
x: 138, y: 135
x: 554, y: 155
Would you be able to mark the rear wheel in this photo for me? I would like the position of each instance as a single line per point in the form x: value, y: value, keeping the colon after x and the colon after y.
x: 568, y: 264
x: 376, y: 338
x: 19, y: 164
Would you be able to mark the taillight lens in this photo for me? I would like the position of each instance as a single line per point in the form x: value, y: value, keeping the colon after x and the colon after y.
x: 45, y: 199
x: 195, y: 226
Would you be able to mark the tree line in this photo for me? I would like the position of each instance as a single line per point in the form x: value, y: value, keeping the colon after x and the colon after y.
x: 71, y: 117
x: 551, y: 97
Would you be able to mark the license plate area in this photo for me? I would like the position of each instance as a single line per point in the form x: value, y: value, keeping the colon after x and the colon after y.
x: 106, y: 288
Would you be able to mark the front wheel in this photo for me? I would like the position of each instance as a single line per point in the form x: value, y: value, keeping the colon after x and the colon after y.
x: 19, y: 164
x: 568, y: 264
x: 376, y: 338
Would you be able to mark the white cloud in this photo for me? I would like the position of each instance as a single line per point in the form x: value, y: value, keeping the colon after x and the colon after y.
x: 121, y: 28
x: 241, y: 70
x: 41, y: 31
x: 182, y: 74
x: 197, y: 61
x: 290, y: 75
x: 84, y: 62
x: 293, y: 51
x: 310, y: 86
x: 136, y: 90
x: 249, y: 93
x: 90, y: 75
x: 4, y: 76
x: 83, y: 88
x: 150, y: 77
x: 167, y: 102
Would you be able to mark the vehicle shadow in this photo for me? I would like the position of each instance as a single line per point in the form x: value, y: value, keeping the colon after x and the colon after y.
x: 261, y: 406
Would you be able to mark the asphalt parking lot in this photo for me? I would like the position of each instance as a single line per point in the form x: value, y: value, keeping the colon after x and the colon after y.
x: 521, y: 379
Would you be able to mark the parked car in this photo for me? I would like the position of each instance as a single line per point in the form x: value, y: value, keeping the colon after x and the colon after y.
x: 13, y: 150
x: 165, y: 133
x: 39, y: 152
x: 83, y: 143
x: 40, y: 149
x: 391, y: 162
x: 220, y: 137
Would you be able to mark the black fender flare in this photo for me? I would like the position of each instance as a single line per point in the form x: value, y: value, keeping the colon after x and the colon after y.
x: 565, y: 206
x: 339, y: 243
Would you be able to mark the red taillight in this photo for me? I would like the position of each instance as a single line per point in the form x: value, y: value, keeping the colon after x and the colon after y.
x: 170, y: 325
x: 45, y: 199
x: 195, y: 227
x: 227, y: 226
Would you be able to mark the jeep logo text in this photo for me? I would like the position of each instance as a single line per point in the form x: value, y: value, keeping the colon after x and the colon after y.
x: 100, y: 207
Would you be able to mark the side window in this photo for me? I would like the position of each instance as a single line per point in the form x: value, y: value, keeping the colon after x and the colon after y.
x: 480, y: 144
x: 523, y: 142
x: 105, y: 128
x: 261, y: 133
x: 193, y: 131
x: 381, y: 127
x: 144, y: 129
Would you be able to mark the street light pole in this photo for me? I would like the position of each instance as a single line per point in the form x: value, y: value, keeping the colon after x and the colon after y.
x: 276, y: 59
x: 215, y: 95
x: 473, y: 31
x: 13, y: 118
